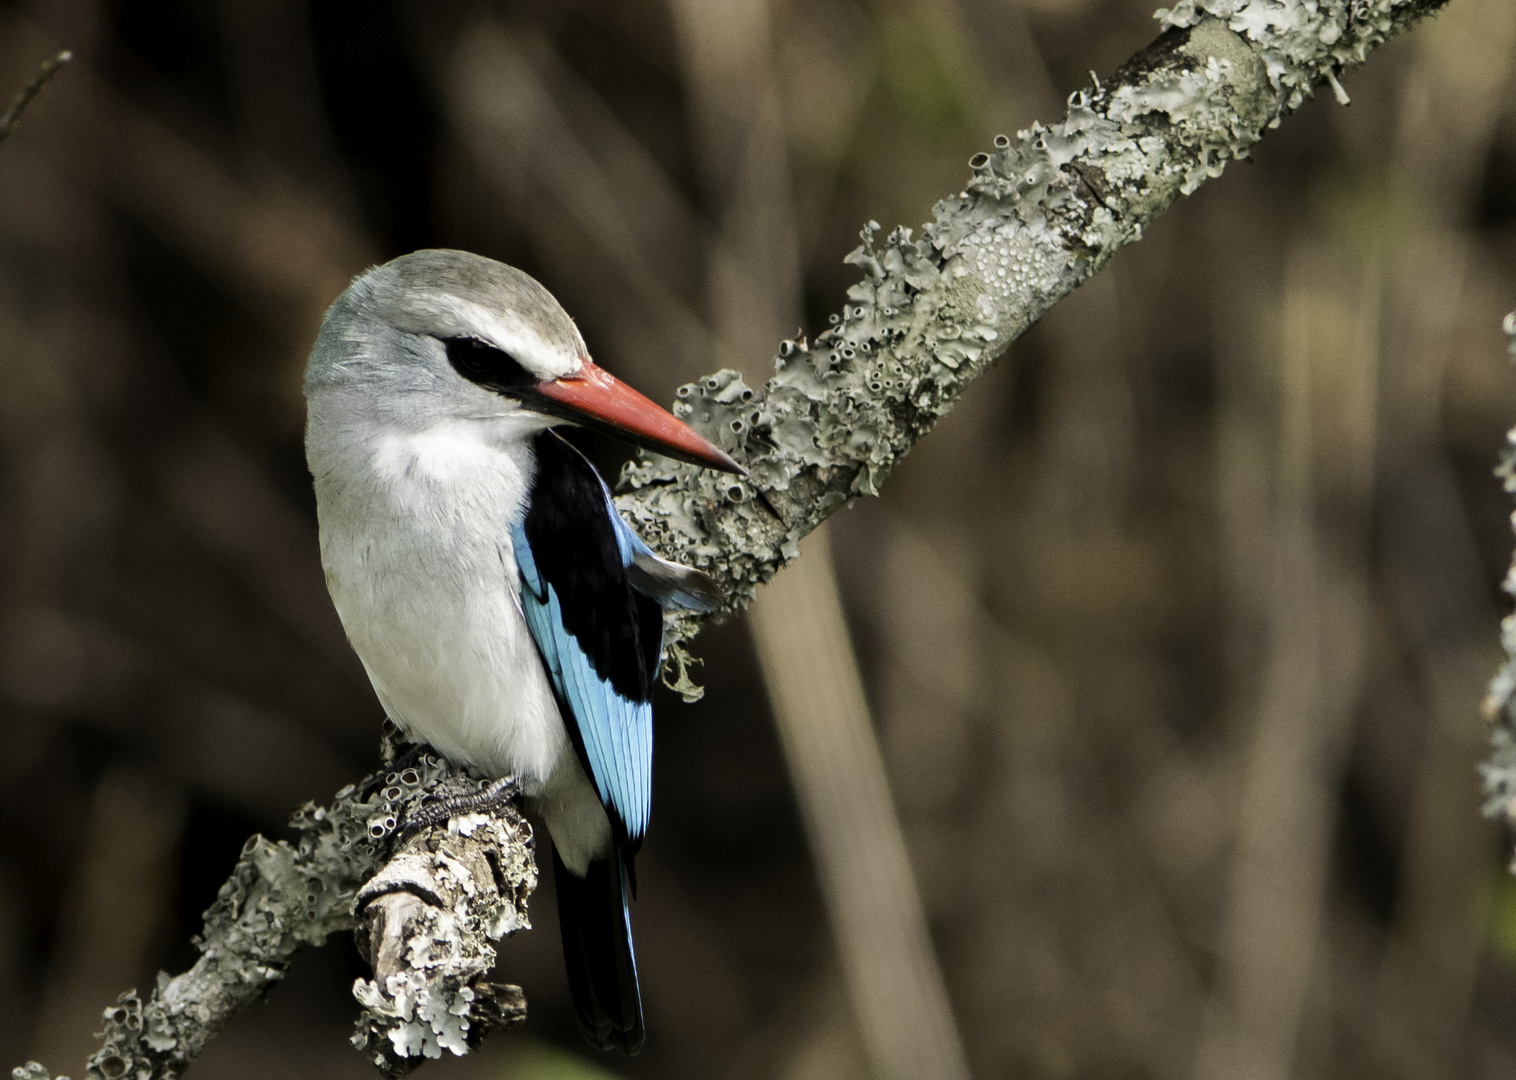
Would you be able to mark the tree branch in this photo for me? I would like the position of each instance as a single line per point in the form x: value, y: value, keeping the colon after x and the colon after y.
x: 11, y: 118
x: 1500, y: 701
x: 425, y: 907
x: 1040, y: 214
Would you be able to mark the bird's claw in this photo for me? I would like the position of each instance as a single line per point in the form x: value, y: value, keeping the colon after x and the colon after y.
x: 493, y: 796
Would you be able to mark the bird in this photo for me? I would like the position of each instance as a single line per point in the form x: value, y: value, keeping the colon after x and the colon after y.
x: 504, y: 611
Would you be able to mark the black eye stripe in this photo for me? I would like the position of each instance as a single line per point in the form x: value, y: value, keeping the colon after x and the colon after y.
x: 486, y: 365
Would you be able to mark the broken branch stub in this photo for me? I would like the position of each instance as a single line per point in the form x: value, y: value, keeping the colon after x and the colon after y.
x: 426, y: 922
x: 434, y: 901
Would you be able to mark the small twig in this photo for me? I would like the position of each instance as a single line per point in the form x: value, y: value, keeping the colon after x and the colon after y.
x: 12, y: 118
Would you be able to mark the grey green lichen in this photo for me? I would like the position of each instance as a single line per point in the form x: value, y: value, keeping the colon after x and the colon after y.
x: 476, y: 876
x: 1304, y: 43
x: 282, y: 896
x: 1039, y: 215
x: 1499, y: 771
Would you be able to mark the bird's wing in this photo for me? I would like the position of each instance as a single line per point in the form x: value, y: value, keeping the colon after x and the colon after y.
x: 671, y: 584
x: 598, y: 636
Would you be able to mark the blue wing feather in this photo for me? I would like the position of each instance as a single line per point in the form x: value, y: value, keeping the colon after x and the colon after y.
x: 592, y: 593
x: 597, y: 621
x: 616, y: 732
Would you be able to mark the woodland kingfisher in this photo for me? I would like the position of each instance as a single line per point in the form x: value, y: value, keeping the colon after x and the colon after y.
x: 504, y: 611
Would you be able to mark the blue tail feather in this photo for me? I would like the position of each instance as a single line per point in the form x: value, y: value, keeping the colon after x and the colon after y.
x: 597, y: 951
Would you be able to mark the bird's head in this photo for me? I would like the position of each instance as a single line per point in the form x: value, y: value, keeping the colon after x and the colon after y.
x: 448, y: 335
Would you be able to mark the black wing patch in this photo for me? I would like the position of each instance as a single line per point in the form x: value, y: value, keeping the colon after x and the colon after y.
x: 577, y: 550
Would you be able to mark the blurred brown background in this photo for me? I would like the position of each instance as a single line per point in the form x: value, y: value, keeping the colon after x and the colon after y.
x: 1173, y: 634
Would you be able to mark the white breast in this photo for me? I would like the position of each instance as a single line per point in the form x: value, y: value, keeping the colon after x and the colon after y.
x: 415, y: 539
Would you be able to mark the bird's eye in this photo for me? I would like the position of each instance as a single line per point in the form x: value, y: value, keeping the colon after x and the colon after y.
x: 486, y: 365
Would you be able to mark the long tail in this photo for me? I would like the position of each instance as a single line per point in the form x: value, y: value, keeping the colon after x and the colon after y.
x: 597, y: 950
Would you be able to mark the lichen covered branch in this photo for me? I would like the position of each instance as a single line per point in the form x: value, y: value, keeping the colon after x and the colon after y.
x: 1040, y: 214
x: 426, y: 906
x: 1500, y: 702
x: 426, y: 924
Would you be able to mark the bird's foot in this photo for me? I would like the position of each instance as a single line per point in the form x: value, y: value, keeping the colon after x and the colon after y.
x: 492, y: 796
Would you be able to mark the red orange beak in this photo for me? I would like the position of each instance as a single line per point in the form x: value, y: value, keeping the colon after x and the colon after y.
x: 594, y: 398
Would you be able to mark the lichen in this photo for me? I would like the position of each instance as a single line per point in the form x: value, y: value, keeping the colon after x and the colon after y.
x: 677, y: 663
x: 476, y: 875
x: 1499, y: 772
x: 284, y: 895
x: 1303, y: 43
x: 1040, y: 213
